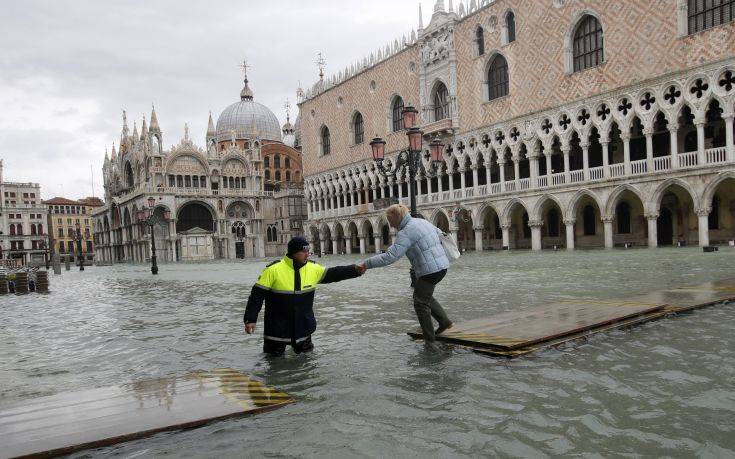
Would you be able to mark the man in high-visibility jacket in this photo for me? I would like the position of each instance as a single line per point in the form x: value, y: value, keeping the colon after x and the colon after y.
x: 288, y: 286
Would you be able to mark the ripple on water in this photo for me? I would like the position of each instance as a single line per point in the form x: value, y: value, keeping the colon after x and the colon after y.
x: 663, y: 389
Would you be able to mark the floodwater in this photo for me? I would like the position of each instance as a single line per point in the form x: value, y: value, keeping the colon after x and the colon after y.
x: 665, y: 388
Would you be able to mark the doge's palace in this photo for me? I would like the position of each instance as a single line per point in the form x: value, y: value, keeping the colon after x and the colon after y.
x: 566, y: 123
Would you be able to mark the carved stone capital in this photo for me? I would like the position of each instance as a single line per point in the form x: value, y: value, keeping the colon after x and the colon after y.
x: 703, y: 211
x: 535, y: 223
x: 570, y: 221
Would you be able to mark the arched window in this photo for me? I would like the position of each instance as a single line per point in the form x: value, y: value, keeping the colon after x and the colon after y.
x: 277, y: 161
x: 441, y: 102
x: 589, y: 220
x: 287, y: 162
x: 622, y: 212
x: 480, y: 40
x: 358, y: 128
x: 497, y: 78
x: 588, y: 47
x: 510, y: 24
x: 288, y: 176
x: 275, y: 235
x: 12, y: 230
x: 267, y: 161
x: 33, y: 230
x: 397, y: 113
x: 19, y: 228
x: 267, y: 174
x: 278, y: 176
x: 326, y: 147
x: 703, y: 15
x: 40, y: 228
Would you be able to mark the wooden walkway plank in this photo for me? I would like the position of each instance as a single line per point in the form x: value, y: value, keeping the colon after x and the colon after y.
x: 518, y: 333
x: 65, y: 423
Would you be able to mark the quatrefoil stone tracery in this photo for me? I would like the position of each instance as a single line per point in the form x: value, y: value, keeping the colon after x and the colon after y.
x: 699, y: 88
x: 625, y: 107
x: 672, y: 94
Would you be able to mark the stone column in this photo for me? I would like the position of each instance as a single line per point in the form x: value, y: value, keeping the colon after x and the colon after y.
x: 428, y: 186
x: 501, y: 166
x: 535, y: 226
x: 701, y: 159
x: 533, y: 163
x: 516, y: 171
x: 474, y: 176
x: 335, y: 246
x: 729, y: 138
x: 607, y: 225
x: 626, y: 151
x: 565, y: 150
x: 455, y: 235
x: 703, y: 215
x: 400, y: 189
x: 605, y: 159
x: 323, y: 245
x: 362, y: 245
x: 451, y: 181
x: 487, y: 176
x: 547, y: 153
x: 506, y: 236
x: 391, y: 182
x: 586, y: 160
x: 348, y: 246
x: 652, y: 230
x: 462, y: 178
x: 570, y: 233
x: 377, y: 243
x: 439, y: 185
x: 478, y: 239
x: 674, y: 147
x: 649, y: 149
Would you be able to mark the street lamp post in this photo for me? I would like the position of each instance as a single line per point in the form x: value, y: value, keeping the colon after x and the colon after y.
x: 411, y: 157
x: 148, y: 218
x: 80, y: 256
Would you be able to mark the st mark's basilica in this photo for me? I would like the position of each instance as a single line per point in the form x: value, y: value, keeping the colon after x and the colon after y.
x: 240, y: 196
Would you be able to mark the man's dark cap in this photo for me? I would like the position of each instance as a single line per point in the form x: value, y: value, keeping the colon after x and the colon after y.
x: 297, y: 244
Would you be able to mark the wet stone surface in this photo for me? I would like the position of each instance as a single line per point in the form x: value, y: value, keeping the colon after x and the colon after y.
x: 664, y: 388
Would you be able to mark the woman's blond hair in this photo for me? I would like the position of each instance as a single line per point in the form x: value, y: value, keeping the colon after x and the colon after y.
x: 396, y: 212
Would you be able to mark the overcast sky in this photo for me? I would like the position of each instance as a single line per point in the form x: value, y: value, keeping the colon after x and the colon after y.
x: 69, y: 67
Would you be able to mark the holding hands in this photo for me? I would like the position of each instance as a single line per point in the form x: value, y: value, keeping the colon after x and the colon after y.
x: 361, y: 268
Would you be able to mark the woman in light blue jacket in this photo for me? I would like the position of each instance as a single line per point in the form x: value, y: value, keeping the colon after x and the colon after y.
x: 419, y: 241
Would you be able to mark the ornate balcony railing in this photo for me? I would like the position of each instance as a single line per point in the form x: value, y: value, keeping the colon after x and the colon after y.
x: 685, y: 160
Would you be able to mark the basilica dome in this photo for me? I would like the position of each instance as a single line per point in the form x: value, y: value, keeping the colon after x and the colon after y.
x: 248, y: 119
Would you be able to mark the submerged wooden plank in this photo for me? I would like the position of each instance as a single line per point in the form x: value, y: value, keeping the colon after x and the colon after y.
x: 65, y: 423
x: 519, y: 329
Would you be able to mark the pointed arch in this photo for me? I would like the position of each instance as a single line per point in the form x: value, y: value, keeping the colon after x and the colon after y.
x: 509, y: 207
x: 395, y: 113
x: 711, y: 187
x: 612, y: 200
x: 594, y: 27
x: 571, y: 210
x: 654, y: 201
x: 535, y: 214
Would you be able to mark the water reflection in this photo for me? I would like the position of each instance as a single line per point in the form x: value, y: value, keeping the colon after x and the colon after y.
x: 661, y: 389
